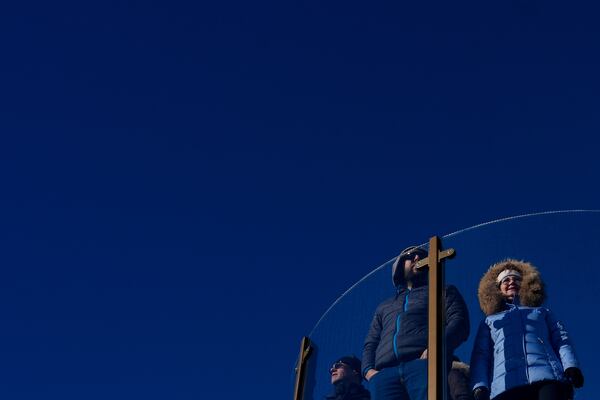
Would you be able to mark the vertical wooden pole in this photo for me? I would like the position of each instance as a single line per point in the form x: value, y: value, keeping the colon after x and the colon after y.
x: 305, y: 349
x: 436, y: 367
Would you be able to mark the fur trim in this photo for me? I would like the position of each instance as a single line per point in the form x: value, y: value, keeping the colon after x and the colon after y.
x: 531, y: 294
x: 462, y: 367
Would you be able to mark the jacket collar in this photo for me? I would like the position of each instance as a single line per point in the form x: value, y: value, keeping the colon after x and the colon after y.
x: 344, y: 388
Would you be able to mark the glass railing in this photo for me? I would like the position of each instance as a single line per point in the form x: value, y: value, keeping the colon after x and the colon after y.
x: 563, y: 245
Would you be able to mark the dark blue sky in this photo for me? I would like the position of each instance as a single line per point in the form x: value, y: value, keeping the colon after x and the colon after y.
x: 187, y: 186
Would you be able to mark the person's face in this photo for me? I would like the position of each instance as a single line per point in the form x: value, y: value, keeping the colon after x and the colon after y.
x: 340, y: 372
x: 410, y: 267
x: 510, y: 286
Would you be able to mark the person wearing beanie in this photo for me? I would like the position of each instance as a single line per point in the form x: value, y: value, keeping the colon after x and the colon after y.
x: 346, y: 379
x: 521, y: 350
x: 395, y: 349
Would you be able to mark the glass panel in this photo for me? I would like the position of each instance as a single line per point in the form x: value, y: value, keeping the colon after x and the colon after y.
x: 563, y: 245
x: 341, y: 331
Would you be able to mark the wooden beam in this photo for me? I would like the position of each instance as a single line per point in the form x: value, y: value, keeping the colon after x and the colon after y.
x: 436, y: 368
x: 305, y: 350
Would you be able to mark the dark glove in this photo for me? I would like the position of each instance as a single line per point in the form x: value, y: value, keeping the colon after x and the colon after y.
x: 481, y: 393
x: 574, y: 376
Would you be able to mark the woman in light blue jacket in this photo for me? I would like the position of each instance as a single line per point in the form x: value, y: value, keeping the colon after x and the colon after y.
x: 521, y: 350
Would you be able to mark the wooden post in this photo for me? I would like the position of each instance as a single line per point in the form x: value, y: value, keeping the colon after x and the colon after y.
x: 305, y: 350
x: 436, y: 366
x: 436, y: 349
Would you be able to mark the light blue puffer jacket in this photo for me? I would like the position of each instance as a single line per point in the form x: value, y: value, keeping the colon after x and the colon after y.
x: 520, y: 343
x: 520, y: 346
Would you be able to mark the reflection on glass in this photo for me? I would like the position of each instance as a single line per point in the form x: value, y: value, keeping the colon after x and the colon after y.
x: 563, y: 246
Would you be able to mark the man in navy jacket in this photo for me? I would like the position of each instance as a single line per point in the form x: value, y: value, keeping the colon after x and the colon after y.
x: 395, y: 350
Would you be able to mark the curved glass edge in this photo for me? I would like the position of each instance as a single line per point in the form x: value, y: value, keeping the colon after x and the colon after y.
x: 542, y: 238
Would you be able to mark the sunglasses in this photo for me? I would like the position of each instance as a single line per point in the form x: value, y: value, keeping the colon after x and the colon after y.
x: 511, y: 278
x: 337, y: 365
x: 414, y: 255
x: 410, y: 256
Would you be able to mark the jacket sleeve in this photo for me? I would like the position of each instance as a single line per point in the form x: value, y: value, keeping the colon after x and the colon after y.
x: 457, y: 319
x: 561, y: 342
x: 481, y: 357
x: 371, y: 343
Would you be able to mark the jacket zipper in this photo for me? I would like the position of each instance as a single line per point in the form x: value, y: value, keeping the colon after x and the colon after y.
x: 524, y: 343
x: 404, y: 307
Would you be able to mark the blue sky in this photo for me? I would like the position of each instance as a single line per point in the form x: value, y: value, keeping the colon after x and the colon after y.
x: 188, y: 186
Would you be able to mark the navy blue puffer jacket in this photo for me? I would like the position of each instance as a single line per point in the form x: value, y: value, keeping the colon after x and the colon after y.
x: 398, y: 331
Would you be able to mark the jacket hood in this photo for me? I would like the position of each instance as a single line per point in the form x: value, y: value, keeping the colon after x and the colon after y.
x: 531, y: 294
x: 398, y: 278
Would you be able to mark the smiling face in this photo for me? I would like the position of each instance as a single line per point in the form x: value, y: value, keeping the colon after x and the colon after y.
x: 510, y: 286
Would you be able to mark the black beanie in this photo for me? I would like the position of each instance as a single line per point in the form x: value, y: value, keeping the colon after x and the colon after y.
x: 351, y: 361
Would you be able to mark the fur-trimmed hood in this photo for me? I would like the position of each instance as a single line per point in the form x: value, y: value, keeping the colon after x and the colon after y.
x: 531, y: 294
